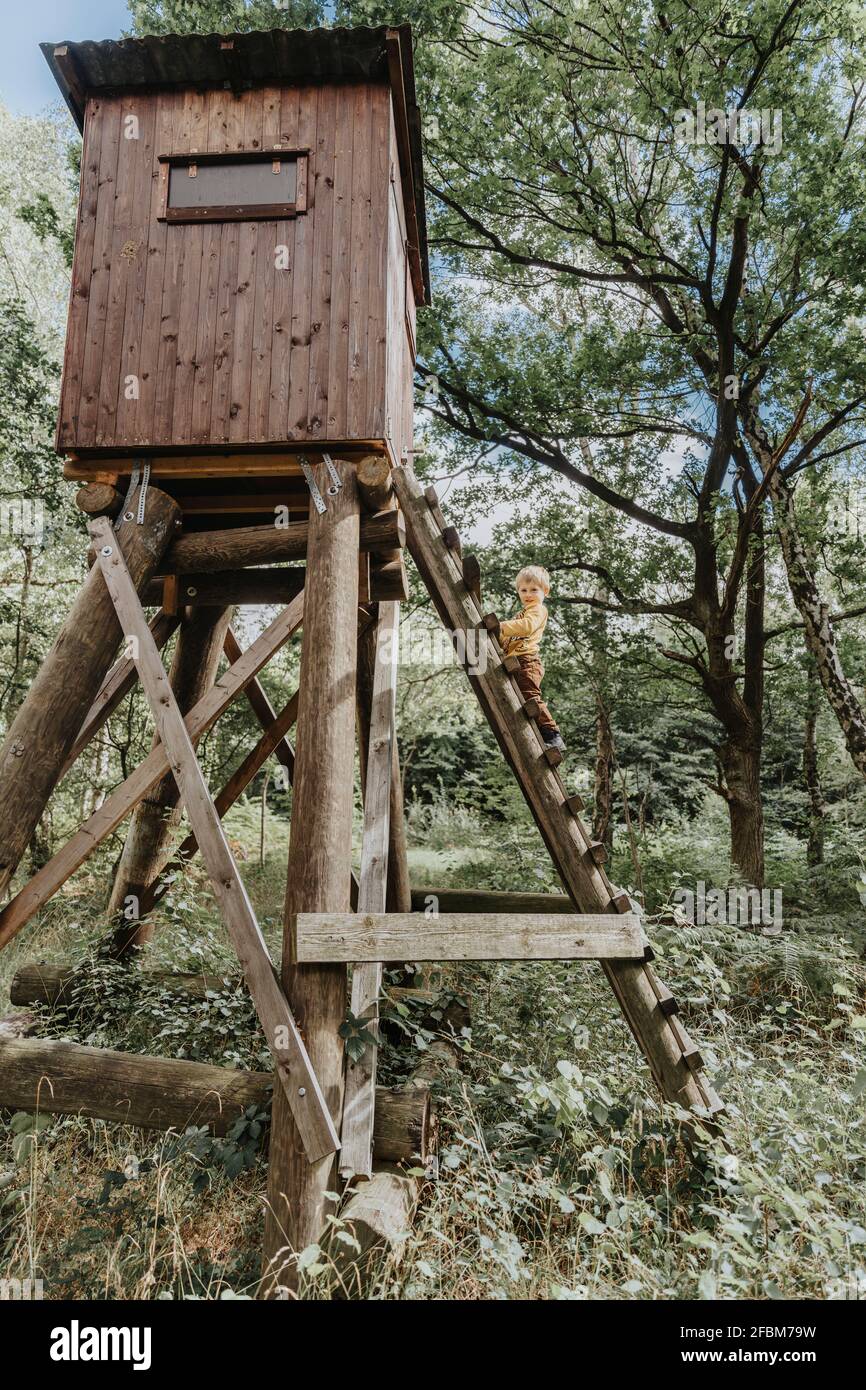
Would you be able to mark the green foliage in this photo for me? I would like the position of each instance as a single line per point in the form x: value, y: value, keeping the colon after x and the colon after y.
x: 43, y: 217
x: 223, y: 16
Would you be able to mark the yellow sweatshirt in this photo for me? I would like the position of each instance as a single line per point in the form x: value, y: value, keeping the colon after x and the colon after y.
x: 522, y: 635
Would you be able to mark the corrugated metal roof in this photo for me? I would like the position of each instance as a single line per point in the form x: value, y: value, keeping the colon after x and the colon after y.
x: 278, y: 55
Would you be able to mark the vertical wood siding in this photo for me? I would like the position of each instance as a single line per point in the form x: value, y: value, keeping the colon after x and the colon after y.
x: 238, y: 333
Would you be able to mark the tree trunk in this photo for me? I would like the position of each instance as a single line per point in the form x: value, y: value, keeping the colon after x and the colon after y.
x: 811, y: 775
x: 320, y: 857
x: 740, y: 760
x: 820, y: 636
x: 193, y: 670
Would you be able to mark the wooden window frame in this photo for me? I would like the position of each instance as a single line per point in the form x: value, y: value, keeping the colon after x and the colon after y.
x: 249, y: 212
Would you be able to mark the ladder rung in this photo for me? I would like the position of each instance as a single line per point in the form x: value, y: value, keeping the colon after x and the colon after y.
x: 472, y: 576
x: 553, y: 755
x: 597, y: 852
x: 451, y: 537
x: 531, y: 708
x: 692, y: 1058
x: 433, y: 503
x: 511, y: 664
x: 575, y: 805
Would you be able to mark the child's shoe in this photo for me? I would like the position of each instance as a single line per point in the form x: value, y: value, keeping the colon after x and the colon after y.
x: 553, y: 739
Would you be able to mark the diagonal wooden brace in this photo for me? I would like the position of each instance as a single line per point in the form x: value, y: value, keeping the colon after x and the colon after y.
x: 291, y: 1061
x: 273, y: 738
x: 45, y: 883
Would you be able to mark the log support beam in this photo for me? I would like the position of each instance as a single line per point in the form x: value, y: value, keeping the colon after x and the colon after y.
x: 320, y: 852
x: 46, y: 727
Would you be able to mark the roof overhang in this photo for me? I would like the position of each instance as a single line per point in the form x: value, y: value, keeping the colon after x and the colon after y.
x: 242, y: 61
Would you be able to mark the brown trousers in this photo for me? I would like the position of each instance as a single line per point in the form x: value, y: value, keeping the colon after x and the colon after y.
x: 529, y: 679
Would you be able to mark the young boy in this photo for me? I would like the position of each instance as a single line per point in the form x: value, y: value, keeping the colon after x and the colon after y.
x: 521, y: 637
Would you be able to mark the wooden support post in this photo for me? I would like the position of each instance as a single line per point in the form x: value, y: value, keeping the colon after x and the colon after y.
x: 46, y: 726
x: 399, y: 894
x: 356, y: 1155
x: 296, y: 1075
x: 320, y: 852
x: 193, y: 671
x: 44, y: 884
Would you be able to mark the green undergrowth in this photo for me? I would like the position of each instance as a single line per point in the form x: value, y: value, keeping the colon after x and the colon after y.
x: 560, y: 1175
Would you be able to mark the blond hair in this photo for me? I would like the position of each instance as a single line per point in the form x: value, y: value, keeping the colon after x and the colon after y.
x: 536, y: 572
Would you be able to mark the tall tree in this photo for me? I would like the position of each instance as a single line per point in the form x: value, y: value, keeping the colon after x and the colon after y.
x: 657, y: 208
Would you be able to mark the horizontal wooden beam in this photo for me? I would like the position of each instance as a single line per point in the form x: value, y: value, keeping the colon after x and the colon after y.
x: 373, y: 473
x: 230, y: 587
x: 482, y: 900
x: 324, y: 937
x: 64, y: 1078
x: 241, y: 546
x: 236, y: 463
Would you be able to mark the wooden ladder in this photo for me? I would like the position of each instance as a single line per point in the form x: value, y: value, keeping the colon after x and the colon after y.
x: 454, y: 585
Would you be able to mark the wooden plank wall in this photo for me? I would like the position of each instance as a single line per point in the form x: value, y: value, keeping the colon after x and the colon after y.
x: 227, y: 348
x: 400, y: 355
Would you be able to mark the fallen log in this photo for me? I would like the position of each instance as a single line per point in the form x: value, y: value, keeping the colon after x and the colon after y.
x: 64, y: 1078
x: 37, y: 982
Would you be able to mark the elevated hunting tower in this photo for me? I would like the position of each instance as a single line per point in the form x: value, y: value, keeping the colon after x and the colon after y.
x: 250, y: 250
x: 237, y: 402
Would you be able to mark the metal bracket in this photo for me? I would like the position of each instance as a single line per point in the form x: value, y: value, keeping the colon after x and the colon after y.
x: 318, y: 499
x: 140, y: 472
x: 336, y: 480
x: 142, y: 496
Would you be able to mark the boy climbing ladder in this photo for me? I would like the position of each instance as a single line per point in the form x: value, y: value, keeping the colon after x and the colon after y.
x: 521, y: 637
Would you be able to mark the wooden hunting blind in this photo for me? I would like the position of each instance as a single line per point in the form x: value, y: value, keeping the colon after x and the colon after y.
x: 237, y: 400
x: 250, y: 250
